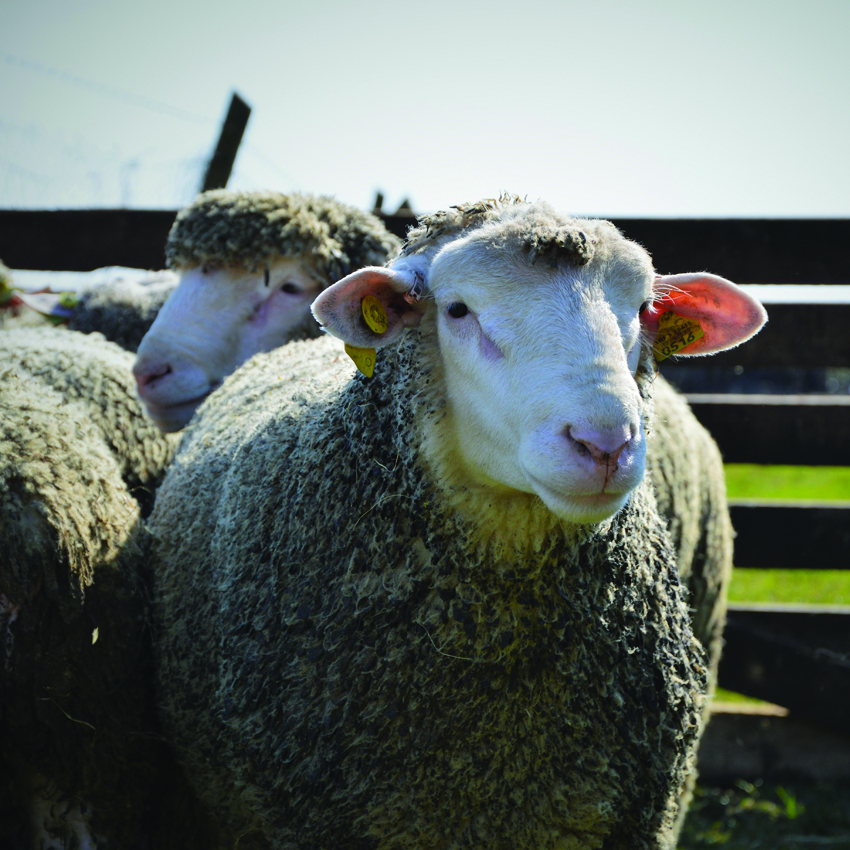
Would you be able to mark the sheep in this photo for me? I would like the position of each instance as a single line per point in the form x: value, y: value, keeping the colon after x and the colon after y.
x: 250, y: 263
x: 438, y: 607
x: 97, y: 374
x: 122, y: 309
x: 78, y: 731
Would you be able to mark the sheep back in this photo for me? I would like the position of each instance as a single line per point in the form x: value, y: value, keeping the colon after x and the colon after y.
x: 344, y: 662
x: 96, y: 374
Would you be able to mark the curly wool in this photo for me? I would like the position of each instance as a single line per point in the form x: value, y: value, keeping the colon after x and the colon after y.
x: 122, y: 310
x: 546, y: 235
x: 97, y: 375
x: 76, y: 687
x: 225, y: 228
x: 368, y: 670
x: 686, y: 470
x: 69, y: 560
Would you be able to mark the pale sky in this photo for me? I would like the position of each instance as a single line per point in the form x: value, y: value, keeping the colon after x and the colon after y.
x: 603, y: 107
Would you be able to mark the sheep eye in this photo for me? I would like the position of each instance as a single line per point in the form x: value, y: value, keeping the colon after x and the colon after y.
x: 457, y: 310
x: 643, y: 308
x: 291, y: 288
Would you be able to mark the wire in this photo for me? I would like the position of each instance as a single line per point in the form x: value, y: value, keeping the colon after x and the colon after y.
x: 108, y: 91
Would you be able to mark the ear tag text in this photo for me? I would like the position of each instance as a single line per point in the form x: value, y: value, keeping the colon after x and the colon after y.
x: 674, y: 334
x: 374, y: 314
x: 364, y: 358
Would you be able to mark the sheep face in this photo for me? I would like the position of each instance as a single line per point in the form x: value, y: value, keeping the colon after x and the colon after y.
x: 539, y: 367
x: 538, y: 327
x: 214, y: 321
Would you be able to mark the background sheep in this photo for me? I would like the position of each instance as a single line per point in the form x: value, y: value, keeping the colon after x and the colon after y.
x: 96, y: 374
x: 439, y: 607
x: 250, y: 263
x: 82, y: 755
x: 123, y: 309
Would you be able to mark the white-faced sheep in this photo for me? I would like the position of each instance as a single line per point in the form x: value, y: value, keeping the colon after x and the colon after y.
x: 438, y: 607
x: 250, y: 263
x: 78, y: 732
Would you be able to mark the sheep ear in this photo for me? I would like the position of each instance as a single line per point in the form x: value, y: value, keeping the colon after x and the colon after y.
x: 340, y: 309
x: 726, y: 314
x: 50, y: 304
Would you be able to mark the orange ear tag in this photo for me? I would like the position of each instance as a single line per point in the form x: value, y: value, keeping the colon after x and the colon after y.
x: 674, y: 334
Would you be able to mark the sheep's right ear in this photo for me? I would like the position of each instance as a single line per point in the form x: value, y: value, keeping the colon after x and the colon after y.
x: 340, y: 309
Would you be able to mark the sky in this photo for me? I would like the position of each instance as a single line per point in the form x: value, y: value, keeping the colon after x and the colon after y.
x: 604, y: 107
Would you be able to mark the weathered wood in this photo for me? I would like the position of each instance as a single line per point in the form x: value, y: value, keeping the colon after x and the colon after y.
x: 742, y: 744
x: 744, y: 250
x: 791, y: 536
x: 795, y: 656
x: 232, y: 130
x: 777, y: 429
x: 747, y: 250
x: 82, y: 240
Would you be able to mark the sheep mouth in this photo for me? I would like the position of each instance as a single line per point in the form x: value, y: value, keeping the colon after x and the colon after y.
x: 174, y: 416
x: 580, y: 508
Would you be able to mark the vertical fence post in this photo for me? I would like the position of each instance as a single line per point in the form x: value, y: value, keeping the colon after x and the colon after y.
x: 221, y: 163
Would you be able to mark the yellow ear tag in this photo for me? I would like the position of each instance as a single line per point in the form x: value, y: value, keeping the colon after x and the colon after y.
x: 364, y: 358
x: 674, y: 334
x: 374, y: 314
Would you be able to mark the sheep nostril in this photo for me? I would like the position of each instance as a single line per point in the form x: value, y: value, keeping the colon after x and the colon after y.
x: 146, y: 377
x: 604, y: 448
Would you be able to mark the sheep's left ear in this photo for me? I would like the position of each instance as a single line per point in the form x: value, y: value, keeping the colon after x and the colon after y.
x: 57, y: 306
x: 346, y: 310
x: 726, y: 314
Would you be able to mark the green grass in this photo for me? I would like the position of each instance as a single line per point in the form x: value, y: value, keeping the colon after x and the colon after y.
x: 798, y: 815
x: 817, y: 483
x: 804, y: 483
x: 756, y: 816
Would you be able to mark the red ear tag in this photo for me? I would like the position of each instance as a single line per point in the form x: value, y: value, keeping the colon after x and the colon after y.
x: 675, y: 333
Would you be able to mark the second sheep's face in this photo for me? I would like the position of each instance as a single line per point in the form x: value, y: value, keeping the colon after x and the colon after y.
x: 215, y: 320
x: 544, y: 353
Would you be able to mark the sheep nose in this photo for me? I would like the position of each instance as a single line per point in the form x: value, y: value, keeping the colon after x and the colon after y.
x: 605, y: 447
x: 145, y: 375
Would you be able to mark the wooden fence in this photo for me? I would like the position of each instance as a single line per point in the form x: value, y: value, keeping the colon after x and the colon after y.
x: 796, y: 656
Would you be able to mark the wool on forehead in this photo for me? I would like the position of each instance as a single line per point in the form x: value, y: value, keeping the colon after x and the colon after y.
x: 250, y: 229
x: 533, y: 232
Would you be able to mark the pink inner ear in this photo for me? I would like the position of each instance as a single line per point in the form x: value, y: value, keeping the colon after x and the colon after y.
x: 338, y: 308
x: 728, y: 315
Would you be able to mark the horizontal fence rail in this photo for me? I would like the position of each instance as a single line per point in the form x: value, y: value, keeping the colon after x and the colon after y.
x: 743, y: 250
x: 795, y: 656
x: 812, y: 430
x: 791, y: 536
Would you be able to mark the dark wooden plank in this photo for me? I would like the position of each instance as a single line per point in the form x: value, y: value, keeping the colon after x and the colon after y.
x: 797, y: 657
x: 796, y: 335
x: 747, y: 250
x: 232, y: 130
x: 791, y: 536
x: 82, y: 240
x: 782, y: 429
x: 744, y: 250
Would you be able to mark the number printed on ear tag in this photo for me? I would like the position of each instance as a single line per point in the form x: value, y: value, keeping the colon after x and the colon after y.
x: 364, y: 358
x: 674, y: 334
x: 374, y: 314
